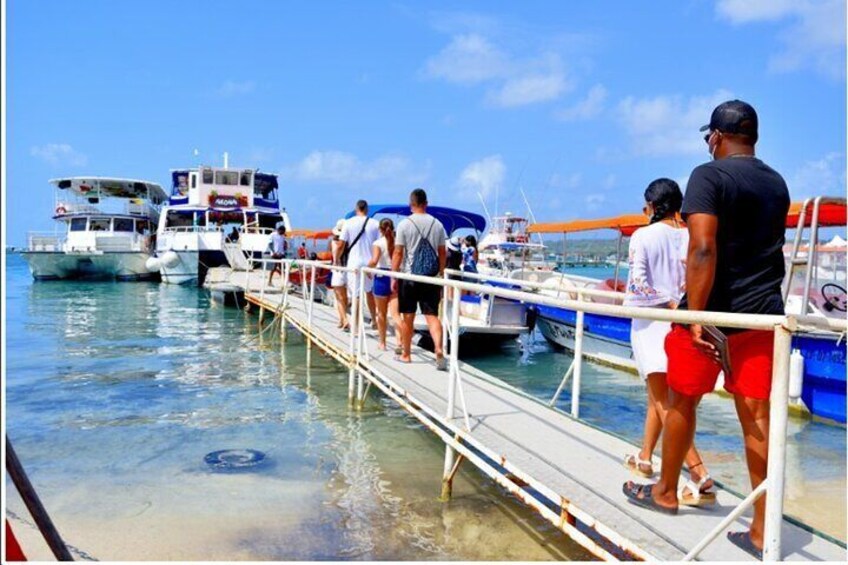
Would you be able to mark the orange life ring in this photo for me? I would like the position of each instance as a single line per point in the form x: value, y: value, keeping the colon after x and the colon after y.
x: 61, y: 210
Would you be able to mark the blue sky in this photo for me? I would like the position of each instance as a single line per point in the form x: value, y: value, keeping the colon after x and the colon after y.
x: 581, y: 104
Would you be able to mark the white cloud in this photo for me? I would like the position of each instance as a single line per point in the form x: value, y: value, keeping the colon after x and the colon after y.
x: 814, y: 37
x: 668, y: 125
x: 745, y: 11
x: 59, y: 154
x: 232, y: 88
x: 594, y: 201
x: 825, y: 176
x: 485, y: 176
x: 587, y: 108
x: 528, y: 90
x: 467, y: 59
x: 339, y: 167
x: 472, y: 59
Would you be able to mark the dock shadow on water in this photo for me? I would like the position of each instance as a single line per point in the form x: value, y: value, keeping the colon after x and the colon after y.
x: 117, y: 393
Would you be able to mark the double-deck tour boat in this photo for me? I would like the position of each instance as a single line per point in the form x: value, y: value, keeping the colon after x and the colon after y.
x: 216, y: 216
x: 107, y: 226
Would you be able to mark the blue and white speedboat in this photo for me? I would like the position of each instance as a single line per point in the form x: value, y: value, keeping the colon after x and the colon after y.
x: 607, y: 338
x: 216, y: 216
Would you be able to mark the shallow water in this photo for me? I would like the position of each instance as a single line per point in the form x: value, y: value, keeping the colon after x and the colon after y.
x: 116, y: 392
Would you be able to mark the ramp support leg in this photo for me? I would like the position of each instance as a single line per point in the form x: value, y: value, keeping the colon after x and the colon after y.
x: 447, y: 480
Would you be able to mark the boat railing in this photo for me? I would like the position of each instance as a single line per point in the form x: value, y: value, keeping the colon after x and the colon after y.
x: 255, y: 230
x: 576, y: 292
x: 193, y: 229
x: 44, y: 241
x: 783, y: 327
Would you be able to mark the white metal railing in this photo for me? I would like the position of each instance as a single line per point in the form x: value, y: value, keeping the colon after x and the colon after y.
x: 193, y: 229
x: 783, y: 327
x: 44, y: 241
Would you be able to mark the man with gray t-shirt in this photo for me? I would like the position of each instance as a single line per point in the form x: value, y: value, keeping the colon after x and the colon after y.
x: 420, y: 228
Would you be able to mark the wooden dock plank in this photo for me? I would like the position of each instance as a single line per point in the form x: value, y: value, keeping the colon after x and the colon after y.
x: 570, y: 457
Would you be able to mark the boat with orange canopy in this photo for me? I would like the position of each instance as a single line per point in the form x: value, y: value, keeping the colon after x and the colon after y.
x: 815, y: 285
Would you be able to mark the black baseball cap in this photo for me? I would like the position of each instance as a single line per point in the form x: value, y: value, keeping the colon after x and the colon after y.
x: 734, y: 116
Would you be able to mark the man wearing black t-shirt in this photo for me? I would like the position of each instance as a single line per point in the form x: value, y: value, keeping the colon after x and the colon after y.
x: 735, y: 208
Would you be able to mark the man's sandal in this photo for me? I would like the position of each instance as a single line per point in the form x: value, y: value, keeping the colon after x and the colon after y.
x: 637, y: 466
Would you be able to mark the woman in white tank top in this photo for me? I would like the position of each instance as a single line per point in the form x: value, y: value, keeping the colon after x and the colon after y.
x: 657, y: 279
x: 385, y: 300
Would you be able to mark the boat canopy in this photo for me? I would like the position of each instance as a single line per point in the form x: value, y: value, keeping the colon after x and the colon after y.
x: 451, y: 218
x: 311, y: 234
x: 625, y: 225
x: 110, y: 186
x: 831, y: 213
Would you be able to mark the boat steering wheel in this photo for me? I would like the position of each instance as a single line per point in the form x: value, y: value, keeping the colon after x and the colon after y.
x: 834, y: 297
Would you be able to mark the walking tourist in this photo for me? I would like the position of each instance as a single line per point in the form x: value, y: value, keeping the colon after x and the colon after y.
x: 657, y: 279
x: 385, y: 300
x: 279, y: 247
x: 338, y: 279
x: 735, y: 208
x: 419, y: 250
x: 359, y: 234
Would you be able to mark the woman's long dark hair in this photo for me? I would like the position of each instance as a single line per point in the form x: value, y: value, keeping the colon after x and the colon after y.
x: 665, y: 196
x: 387, y: 228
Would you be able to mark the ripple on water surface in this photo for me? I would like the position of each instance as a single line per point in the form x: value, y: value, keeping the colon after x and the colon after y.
x: 117, y: 392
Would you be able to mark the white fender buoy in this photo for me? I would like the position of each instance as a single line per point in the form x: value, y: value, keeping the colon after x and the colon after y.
x: 152, y: 264
x: 170, y: 259
x: 796, y: 374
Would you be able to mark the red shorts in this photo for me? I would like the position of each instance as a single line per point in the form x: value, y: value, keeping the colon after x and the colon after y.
x: 693, y: 373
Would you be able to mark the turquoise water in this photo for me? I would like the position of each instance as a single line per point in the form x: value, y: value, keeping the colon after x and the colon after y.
x: 117, y: 391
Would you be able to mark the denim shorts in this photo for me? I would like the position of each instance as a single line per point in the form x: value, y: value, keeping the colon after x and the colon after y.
x: 382, y: 285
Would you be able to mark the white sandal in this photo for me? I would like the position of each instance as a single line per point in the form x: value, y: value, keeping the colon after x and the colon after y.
x: 635, y: 465
x: 689, y: 493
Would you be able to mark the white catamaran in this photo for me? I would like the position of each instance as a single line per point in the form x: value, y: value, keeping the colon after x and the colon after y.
x: 107, y: 226
x: 216, y: 217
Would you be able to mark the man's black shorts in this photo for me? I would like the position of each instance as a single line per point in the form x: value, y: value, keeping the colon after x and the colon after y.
x: 412, y: 294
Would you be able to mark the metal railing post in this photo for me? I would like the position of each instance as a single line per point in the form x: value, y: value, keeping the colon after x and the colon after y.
x: 578, y: 360
x: 261, y: 291
x: 363, y: 348
x: 286, y: 272
x: 778, y: 417
x: 448, y: 293
x: 617, y: 259
x: 351, y: 377
x: 811, y: 255
x: 360, y: 333
x: 453, y: 372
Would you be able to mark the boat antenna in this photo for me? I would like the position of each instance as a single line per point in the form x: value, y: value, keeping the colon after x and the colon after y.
x: 486, y: 210
x: 530, y: 213
x: 226, y: 160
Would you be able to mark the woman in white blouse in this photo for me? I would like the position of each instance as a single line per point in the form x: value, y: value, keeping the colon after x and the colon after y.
x: 657, y: 279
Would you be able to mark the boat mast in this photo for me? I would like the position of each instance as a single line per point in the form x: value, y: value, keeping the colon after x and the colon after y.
x: 486, y: 210
x: 531, y: 214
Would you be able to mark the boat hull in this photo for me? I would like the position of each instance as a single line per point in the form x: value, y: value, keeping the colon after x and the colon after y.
x: 59, y: 265
x: 607, y: 339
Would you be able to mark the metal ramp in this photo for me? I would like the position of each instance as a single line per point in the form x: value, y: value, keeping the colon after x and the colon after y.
x: 236, y: 257
x: 564, y: 468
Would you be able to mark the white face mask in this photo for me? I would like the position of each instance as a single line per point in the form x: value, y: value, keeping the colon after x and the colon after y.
x: 712, y: 148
